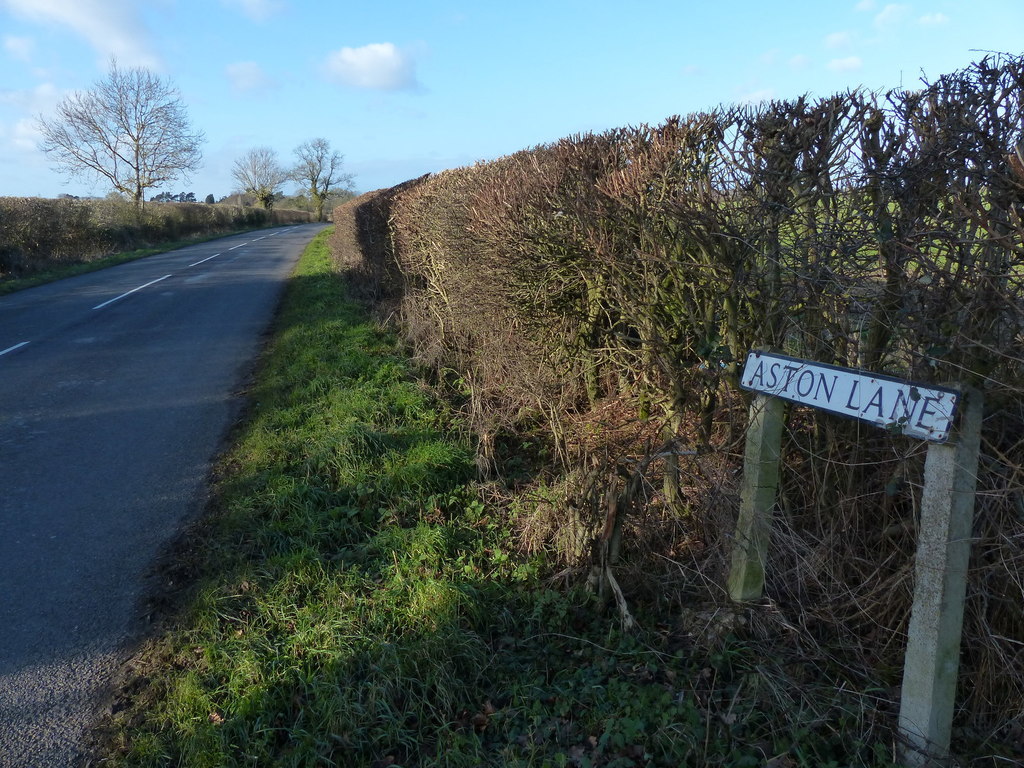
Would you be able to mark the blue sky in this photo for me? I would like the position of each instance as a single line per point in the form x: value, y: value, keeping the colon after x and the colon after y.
x: 405, y: 88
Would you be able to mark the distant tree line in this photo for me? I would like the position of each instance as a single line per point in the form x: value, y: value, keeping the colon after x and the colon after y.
x: 181, y: 197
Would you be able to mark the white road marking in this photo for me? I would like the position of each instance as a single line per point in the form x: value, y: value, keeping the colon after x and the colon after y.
x: 238, y: 246
x: 129, y: 293
x: 11, y: 349
x: 202, y: 260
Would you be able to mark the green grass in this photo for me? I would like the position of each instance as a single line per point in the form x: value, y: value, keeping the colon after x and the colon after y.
x: 358, y: 605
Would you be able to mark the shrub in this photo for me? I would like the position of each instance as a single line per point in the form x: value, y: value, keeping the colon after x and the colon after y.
x: 37, y: 234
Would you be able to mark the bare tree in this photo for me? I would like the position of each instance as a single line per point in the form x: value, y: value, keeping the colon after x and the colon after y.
x: 259, y: 173
x: 130, y: 129
x: 319, y: 170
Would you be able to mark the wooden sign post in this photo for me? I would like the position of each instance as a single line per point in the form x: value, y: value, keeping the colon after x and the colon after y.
x: 947, y: 510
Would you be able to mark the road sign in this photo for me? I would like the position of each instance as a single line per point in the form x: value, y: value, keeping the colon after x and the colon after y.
x: 919, y: 410
x: 928, y: 696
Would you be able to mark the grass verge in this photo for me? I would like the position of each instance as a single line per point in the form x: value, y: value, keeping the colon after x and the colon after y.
x: 357, y: 604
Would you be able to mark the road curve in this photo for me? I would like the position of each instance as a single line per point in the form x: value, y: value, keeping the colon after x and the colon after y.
x: 116, y: 390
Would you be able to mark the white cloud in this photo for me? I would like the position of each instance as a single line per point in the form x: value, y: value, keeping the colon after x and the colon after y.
x: 22, y: 135
x: 378, y: 66
x: 891, y: 16
x: 39, y: 99
x: 248, y: 76
x: 26, y: 135
x: 838, y: 40
x: 19, y: 47
x: 849, y: 64
x: 257, y: 10
x: 111, y: 27
x: 933, y: 19
x: 865, y: 5
x: 799, y: 61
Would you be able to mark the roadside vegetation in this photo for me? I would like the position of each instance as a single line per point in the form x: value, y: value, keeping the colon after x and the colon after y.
x: 515, y: 551
x: 42, y: 240
x: 356, y: 598
x: 318, y: 172
x: 59, y: 271
x: 598, y: 296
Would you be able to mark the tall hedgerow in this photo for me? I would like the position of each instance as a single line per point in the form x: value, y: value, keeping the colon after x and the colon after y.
x: 598, y: 294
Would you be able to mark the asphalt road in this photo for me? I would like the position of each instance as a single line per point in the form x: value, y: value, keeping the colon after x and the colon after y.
x: 116, y: 391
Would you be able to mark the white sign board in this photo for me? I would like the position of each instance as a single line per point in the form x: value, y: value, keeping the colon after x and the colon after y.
x: 916, y: 410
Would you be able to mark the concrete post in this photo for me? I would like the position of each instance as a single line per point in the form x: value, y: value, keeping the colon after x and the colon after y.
x: 757, y: 497
x: 936, y: 619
